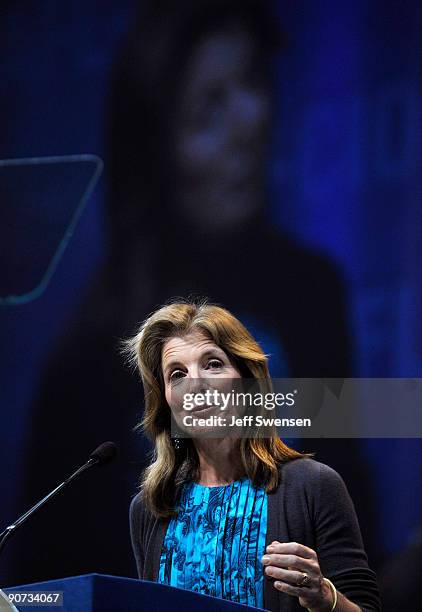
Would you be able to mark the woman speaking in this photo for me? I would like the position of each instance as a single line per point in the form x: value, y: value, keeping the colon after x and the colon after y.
x: 245, y: 519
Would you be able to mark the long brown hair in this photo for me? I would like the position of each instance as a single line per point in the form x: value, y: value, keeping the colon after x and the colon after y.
x: 260, y: 456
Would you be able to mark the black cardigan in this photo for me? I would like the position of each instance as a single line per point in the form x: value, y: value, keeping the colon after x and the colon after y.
x: 312, y: 506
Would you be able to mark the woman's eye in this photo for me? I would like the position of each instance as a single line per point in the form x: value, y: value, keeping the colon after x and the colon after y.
x: 214, y: 364
x: 176, y: 375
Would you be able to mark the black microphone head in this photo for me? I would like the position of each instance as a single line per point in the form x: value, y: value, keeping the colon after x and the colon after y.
x: 104, y: 453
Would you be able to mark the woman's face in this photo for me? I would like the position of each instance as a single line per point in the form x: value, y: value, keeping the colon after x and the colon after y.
x: 220, y: 135
x: 193, y: 364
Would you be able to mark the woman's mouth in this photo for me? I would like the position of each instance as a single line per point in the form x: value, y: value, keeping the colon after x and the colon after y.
x: 201, y: 409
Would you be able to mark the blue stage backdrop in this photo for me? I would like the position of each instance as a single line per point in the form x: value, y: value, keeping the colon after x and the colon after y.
x: 345, y: 182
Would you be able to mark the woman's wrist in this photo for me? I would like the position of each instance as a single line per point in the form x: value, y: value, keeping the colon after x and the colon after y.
x: 329, y: 595
x: 336, y: 601
x: 333, y: 593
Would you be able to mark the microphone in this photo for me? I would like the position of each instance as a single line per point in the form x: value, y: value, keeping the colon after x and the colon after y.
x: 102, y: 455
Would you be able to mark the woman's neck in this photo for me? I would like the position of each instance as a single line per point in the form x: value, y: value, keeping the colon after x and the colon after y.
x: 219, y: 461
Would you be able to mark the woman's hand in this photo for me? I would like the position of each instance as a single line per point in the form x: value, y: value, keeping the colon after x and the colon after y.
x: 292, y: 564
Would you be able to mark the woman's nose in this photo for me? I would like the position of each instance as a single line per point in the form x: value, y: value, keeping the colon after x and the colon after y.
x: 193, y: 371
x: 249, y: 111
x: 197, y: 384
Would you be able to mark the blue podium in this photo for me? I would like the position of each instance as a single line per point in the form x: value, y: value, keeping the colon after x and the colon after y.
x: 99, y: 593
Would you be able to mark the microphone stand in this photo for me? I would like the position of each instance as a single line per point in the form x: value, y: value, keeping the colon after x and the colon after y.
x: 11, y: 529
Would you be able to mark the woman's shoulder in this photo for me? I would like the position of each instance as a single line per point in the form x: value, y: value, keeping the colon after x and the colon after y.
x: 309, y: 472
x: 136, y: 502
x: 306, y: 482
x: 138, y: 510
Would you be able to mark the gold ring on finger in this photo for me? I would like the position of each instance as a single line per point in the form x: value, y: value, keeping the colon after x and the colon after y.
x: 304, y: 580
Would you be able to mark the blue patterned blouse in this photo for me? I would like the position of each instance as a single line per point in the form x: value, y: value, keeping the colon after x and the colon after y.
x: 215, y: 544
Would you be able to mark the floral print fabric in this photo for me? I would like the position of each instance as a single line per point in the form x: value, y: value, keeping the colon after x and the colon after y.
x: 215, y: 544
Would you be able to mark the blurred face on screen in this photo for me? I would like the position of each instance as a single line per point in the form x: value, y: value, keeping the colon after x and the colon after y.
x: 220, y: 135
